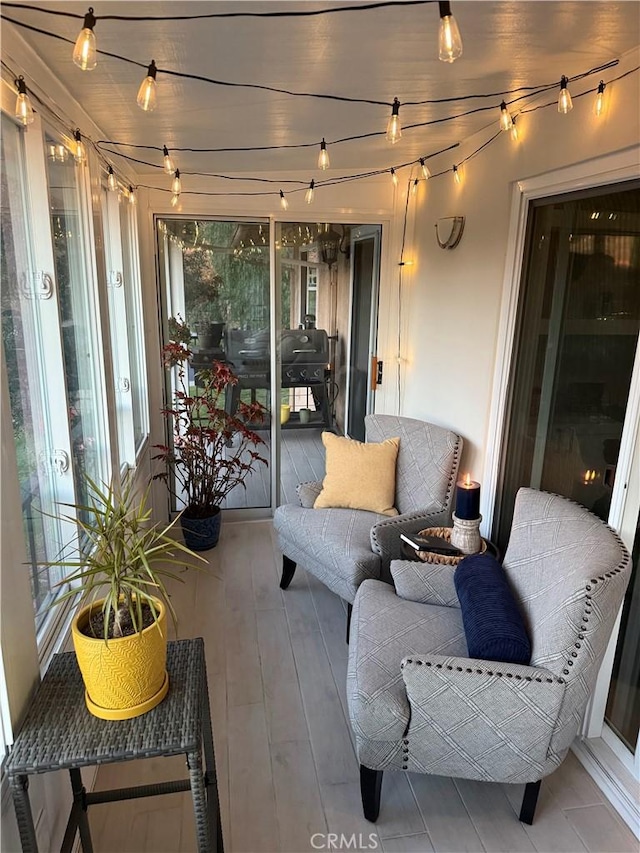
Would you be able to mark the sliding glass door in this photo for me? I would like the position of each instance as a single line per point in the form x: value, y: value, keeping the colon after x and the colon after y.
x: 215, y: 276
x: 577, y: 342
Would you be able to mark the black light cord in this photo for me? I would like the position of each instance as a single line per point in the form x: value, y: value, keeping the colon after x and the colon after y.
x: 529, y: 90
x: 281, y: 14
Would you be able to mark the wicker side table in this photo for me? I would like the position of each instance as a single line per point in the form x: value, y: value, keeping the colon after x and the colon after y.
x: 59, y: 733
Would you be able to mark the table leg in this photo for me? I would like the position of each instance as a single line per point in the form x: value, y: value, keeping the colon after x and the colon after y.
x: 194, y: 762
x: 79, y: 798
x: 20, y: 792
x: 213, y: 799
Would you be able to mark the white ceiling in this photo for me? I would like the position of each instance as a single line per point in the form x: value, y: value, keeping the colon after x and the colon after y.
x: 376, y: 54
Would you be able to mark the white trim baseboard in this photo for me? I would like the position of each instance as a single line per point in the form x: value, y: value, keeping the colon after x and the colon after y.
x: 606, y: 770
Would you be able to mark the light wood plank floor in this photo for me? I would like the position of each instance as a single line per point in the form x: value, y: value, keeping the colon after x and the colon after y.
x: 285, y: 759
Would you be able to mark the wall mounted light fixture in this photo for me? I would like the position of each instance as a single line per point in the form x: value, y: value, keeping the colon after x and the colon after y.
x: 453, y: 226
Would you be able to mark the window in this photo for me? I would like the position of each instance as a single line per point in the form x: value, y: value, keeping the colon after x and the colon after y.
x: 22, y: 289
x: 79, y: 317
x: 135, y: 329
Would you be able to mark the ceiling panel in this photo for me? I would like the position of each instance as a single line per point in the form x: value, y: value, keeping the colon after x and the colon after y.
x: 376, y: 54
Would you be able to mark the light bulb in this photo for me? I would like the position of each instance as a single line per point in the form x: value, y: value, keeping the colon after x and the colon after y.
x: 176, y: 183
x: 79, y: 153
x: 394, y: 177
x: 61, y: 152
x: 169, y: 166
x: 147, y: 92
x: 600, y: 98
x: 505, y: 117
x: 112, y: 181
x: 449, y: 39
x: 394, y: 128
x: 52, y: 152
x: 323, y: 156
x: 565, y: 105
x: 456, y: 175
x: 84, y: 51
x: 426, y: 174
x: 132, y: 195
x: 514, y: 129
x: 175, y: 198
x: 310, y: 192
x: 414, y: 188
x: 284, y: 204
x: 24, y: 110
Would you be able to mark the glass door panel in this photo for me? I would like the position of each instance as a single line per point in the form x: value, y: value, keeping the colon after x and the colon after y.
x: 578, y: 335
x: 215, y: 276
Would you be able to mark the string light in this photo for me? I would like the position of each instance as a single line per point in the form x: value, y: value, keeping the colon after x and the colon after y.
x: 414, y: 188
x: 284, y: 204
x: 394, y: 128
x: 308, y: 197
x: 514, y: 129
x: 426, y: 174
x: 600, y: 98
x: 565, y: 104
x: 175, y: 198
x: 456, y: 175
x: 169, y: 166
x: 147, y: 92
x: 112, y: 181
x: 176, y: 183
x: 449, y: 38
x: 24, y: 110
x: 85, y: 55
x: 323, y: 156
x: 505, y: 117
x: 132, y: 195
x: 79, y: 153
x: 394, y: 177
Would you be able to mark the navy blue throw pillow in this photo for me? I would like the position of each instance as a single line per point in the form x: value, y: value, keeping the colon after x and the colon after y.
x: 493, y: 624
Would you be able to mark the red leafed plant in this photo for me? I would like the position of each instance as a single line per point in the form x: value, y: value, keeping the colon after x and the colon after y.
x: 213, y: 451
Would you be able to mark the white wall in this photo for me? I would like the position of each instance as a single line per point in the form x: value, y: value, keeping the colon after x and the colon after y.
x: 453, y: 298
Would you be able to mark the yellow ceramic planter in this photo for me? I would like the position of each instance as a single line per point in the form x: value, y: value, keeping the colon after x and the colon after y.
x: 285, y: 413
x: 124, y: 677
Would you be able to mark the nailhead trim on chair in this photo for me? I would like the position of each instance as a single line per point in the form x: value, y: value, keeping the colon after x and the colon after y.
x: 489, y: 672
x: 588, y: 598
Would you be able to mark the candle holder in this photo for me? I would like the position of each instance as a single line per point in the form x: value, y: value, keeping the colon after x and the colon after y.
x: 465, y: 534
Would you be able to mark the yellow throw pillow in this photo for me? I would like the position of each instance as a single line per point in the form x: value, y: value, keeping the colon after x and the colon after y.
x: 359, y: 476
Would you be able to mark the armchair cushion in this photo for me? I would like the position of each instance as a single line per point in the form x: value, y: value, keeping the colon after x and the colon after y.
x: 359, y: 475
x: 427, y: 583
x: 308, y: 492
x: 493, y: 625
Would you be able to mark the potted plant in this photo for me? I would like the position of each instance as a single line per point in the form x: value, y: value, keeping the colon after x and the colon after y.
x: 212, y: 450
x: 118, y: 564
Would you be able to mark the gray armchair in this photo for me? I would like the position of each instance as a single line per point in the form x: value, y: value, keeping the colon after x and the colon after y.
x: 343, y: 547
x: 418, y: 703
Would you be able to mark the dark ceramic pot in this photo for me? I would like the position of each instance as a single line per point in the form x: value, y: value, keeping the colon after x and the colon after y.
x: 200, y: 534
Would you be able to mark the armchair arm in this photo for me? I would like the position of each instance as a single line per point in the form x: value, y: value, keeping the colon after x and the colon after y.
x: 308, y: 492
x: 428, y: 583
x: 385, y: 535
x: 480, y: 719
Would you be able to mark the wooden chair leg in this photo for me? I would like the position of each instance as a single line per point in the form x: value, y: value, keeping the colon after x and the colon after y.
x: 288, y: 571
x: 349, y: 609
x: 529, y: 802
x: 370, y: 787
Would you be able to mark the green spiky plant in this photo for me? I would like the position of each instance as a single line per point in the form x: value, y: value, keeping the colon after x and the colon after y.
x: 120, y: 555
